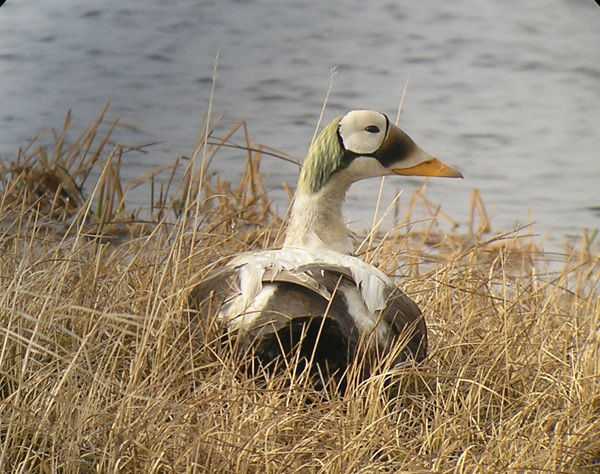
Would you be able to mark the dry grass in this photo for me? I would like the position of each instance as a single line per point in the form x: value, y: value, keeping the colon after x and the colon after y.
x: 100, y: 370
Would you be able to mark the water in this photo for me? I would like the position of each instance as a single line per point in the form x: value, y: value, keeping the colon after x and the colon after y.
x: 508, y: 92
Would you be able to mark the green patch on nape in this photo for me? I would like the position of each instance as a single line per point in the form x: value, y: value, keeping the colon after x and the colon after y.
x: 323, y: 159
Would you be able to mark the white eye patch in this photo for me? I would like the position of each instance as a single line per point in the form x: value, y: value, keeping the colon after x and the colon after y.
x: 363, y: 131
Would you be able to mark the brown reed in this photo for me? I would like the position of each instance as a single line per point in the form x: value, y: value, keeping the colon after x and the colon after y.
x: 101, y: 370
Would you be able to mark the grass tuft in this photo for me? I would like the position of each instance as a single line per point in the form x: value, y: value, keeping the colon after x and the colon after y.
x: 101, y: 370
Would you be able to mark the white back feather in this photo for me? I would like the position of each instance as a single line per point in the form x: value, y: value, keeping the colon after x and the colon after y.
x: 372, y: 283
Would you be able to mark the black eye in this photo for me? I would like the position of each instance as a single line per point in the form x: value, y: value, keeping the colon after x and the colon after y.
x: 372, y: 129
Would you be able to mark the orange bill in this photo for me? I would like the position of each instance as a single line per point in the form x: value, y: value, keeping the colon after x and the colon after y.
x: 433, y: 167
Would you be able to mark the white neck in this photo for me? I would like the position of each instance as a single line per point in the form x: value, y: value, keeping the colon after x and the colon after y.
x: 317, y: 221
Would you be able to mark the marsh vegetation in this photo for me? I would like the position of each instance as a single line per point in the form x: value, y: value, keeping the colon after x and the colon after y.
x: 101, y: 370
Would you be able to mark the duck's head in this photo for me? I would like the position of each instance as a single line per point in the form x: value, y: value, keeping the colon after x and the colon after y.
x: 365, y: 144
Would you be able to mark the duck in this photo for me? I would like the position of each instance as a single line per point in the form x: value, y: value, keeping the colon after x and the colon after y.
x: 313, y: 295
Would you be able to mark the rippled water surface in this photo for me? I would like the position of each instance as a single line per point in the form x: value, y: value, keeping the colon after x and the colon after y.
x: 509, y: 91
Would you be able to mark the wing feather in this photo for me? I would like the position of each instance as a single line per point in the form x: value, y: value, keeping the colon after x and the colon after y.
x: 357, y: 296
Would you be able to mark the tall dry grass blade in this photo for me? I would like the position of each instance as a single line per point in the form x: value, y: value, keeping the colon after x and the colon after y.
x: 332, y: 74
x: 478, y: 207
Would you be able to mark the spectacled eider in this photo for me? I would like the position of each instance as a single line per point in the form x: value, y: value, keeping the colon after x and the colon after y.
x: 313, y: 289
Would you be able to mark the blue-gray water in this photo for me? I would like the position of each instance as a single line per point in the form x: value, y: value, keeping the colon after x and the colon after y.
x: 509, y: 92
